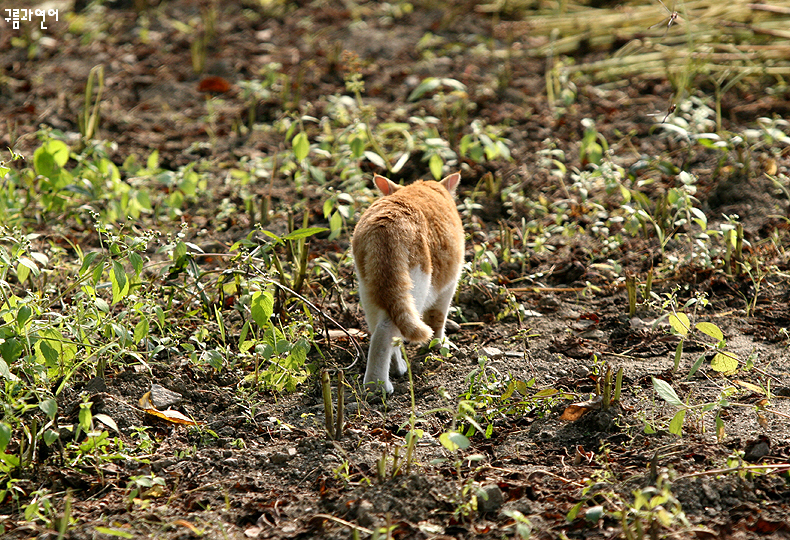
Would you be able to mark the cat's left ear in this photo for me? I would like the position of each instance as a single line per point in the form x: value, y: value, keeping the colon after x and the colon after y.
x: 451, y: 182
x: 385, y: 185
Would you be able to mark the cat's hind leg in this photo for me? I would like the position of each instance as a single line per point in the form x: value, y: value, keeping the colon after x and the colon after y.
x: 435, y: 315
x: 380, y: 354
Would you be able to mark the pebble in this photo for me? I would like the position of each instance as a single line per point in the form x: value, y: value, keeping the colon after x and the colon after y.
x: 492, y: 352
x: 489, y: 499
x: 451, y: 327
x: 162, y: 398
x: 282, y: 457
x: 365, y: 513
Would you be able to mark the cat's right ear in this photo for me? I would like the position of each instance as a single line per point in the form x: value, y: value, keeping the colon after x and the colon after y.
x: 451, y: 182
x: 385, y: 185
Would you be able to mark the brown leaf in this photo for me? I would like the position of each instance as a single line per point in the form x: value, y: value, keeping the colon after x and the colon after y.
x: 215, y: 85
x: 574, y: 411
x: 169, y: 415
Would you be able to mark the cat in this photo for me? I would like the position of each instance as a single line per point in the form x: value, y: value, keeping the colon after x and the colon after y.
x: 408, y: 250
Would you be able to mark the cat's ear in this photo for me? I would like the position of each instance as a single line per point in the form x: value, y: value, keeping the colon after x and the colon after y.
x: 451, y: 182
x: 385, y: 185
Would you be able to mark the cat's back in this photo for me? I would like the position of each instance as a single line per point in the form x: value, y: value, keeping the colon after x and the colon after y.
x: 418, y: 204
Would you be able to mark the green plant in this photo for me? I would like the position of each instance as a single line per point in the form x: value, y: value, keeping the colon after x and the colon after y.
x: 723, y: 361
x: 89, y: 118
x: 655, y: 509
x: 667, y: 393
x: 142, y: 487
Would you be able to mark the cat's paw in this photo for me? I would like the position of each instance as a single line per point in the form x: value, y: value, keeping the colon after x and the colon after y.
x: 398, y: 365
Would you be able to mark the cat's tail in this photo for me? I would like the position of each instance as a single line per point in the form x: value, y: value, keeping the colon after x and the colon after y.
x: 387, y: 282
x: 404, y: 315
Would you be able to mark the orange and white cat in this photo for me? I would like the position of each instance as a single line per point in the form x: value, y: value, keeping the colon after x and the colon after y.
x: 408, y: 250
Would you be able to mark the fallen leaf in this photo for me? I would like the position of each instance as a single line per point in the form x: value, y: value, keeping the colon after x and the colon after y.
x: 216, y: 85
x: 174, y: 417
x: 574, y: 411
x: 168, y: 415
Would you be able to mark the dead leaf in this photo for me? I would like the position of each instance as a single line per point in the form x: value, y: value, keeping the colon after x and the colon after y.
x: 749, y: 386
x: 215, y: 85
x: 168, y: 415
x: 574, y: 411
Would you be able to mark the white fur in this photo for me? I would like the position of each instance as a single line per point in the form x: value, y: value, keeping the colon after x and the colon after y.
x: 382, y: 351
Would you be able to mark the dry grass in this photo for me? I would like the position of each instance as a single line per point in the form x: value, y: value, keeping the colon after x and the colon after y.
x: 710, y: 37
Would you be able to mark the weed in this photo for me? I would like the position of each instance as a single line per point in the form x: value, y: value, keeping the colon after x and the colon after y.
x: 89, y: 118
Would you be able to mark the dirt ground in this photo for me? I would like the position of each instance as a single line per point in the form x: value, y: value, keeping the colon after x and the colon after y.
x: 271, y: 471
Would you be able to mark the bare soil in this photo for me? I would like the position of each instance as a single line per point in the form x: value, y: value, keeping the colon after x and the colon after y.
x: 271, y: 471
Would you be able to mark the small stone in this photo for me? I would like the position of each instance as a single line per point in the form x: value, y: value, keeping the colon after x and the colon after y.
x: 279, y: 458
x: 162, y: 398
x: 489, y: 499
x: 365, y: 513
x: 451, y: 327
x: 162, y: 464
x: 581, y: 372
x: 227, y: 432
x: 492, y: 352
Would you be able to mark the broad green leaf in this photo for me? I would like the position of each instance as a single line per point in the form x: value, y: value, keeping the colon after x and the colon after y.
x: 676, y: 425
x: 666, y: 392
x: 301, y: 146
x: 304, y: 233
x: 720, y: 433
x: 152, y: 163
x: 428, y: 85
x: 680, y: 323
x: 87, y: 261
x: 50, y: 436
x: 50, y: 407
x: 262, y: 307
x: 711, y: 330
x: 452, y: 440
x: 23, y: 315
x: 137, y: 262
x: 695, y: 367
x: 357, y: 146
x: 46, y: 354
x: 724, y: 363
x: 594, y: 513
x: 436, y: 165
x: 26, y: 264
x: 4, y: 371
x: 678, y: 355
x: 85, y: 417
x: 5, y: 436
x: 101, y: 304
x: 50, y: 157
x: 120, y: 285
x: 574, y: 511
x: 141, y: 330
x: 335, y: 225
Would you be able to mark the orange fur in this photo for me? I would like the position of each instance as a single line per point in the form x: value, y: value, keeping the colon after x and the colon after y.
x: 408, y: 250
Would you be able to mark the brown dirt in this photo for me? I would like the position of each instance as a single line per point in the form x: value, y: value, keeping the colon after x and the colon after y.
x: 262, y: 466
